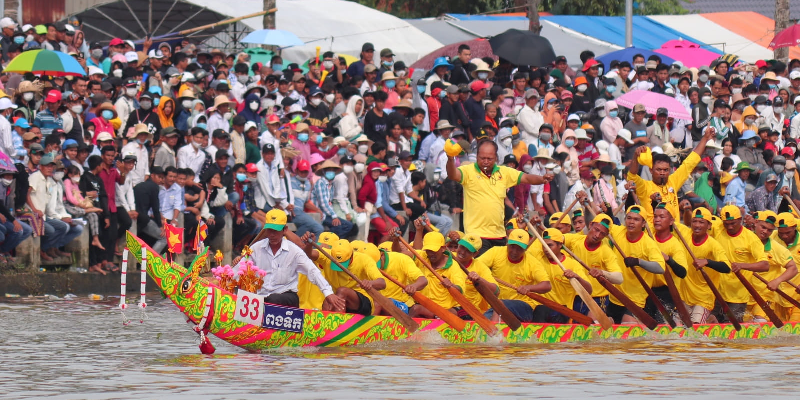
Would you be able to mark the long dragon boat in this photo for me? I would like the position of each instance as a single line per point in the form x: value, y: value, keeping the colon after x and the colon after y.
x: 190, y: 293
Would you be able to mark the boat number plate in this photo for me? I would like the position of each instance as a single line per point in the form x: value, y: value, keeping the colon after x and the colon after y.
x: 283, y: 318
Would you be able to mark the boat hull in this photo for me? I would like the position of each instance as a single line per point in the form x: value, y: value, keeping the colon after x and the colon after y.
x: 331, y: 329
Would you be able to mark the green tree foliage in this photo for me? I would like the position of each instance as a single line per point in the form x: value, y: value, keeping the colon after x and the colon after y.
x: 434, y: 8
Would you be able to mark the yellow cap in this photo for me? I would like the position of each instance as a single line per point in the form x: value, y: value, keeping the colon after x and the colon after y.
x: 512, y: 223
x: 767, y: 216
x: 412, y: 167
x: 433, y: 241
x: 359, y: 245
x: 369, y: 249
x: 554, y: 218
x: 786, y: 220
x: 603, y: 219
x: 341, y: 251
x: 275, y: 220
x: 471, y: 242
x: 702, y: 212
x: 730, y: 212
x: 326, y: 239
x: 553, y: 234
x: 634, y: 209
x: 519, y: 238
x: 387, y: 245
x: 452, y: 148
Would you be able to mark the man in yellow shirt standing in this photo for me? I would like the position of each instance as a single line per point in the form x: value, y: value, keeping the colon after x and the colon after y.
x: 746, y: 253
x: 436, y: 254
x: 511, y: 264
x: 400, y: 267
x: 781, y: 268
x: 640, y: 251
x: 665, y: 182
x: 561, y: 291
x: 479, y: 273
x: 485, y: 184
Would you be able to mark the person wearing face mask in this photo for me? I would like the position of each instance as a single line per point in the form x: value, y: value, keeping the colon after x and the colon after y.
x: 529, y: 118
x: 701, y: 114
x: 239, y: 86
x: 192, y: 155
x: 355, y: 178
x: 220, y: 114
x: 318, y: 111
x: 748, y: 122
x: 125, y: 105
x: 184, y: 109
x: 165, y: 153
x: 611, y: 124
x: 543, y: 141
x: 504, y: 143
x: 773, y: 115
x: 749, y: 153
x: 136, y: 147
x: 322, y: 197
x: 102, y: 122
x: 12, y: 231
x: 145, y: 114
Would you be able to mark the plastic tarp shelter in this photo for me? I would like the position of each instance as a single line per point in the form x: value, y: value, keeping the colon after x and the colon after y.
x: 759, y: 29
x: 441, y: 30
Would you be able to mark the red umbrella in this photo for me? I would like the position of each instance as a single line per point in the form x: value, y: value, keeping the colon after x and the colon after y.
x: 786, y: 38
x: 479, y: 48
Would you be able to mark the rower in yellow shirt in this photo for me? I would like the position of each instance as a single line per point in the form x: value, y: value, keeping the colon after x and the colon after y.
x: 674, y: 254
x: 561, y: 291
x: 479, y: 273
x: 599, y: 256
x: 694, y: 289
x: 578, y: 222
x: 311, y: 297
x: 788, y: 235
x: 435, y: 253
x: 565, y: 226
x: 399, y: 266
x: 640, y: 251
x: 782, y: 268
x: 511, y: 264
x: 746, y: 253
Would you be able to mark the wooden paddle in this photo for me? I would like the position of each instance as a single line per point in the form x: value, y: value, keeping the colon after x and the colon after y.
x: 437, y: 310
x: 462, y: 300
x: 791, y: 204
x: 385, y: 303
x: 722, y: 303
x: 602, y: 318
x: 650, y: 293
x: 566, y: 212
x: 568, y: 312
x: 497, y: 305
x: 760, y: 300
x: 637, y: 311
x: 796, y: 288
x: 783, y: 294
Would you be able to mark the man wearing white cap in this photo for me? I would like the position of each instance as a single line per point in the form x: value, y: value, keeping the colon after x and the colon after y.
x: 529, y: 118
x: 6, y: 138
x: 8, y: 26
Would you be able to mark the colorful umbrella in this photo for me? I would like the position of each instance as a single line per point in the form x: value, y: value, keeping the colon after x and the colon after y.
x: 6, y: 165
x: 273, y: 37
x: 689, y: 53
x: 479, y: 47
x: 652, y: 101
x: 45, y: 62
x: 786, y: 38
x: 627, y: 54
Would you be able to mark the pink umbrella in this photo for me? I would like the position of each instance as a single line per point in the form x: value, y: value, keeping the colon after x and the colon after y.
x: 6, y: 165
x: 690, y: 54
x: 786, y: 38
x: 652, y: 101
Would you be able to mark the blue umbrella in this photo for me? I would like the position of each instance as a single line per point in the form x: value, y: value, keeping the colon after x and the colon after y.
x: 273, y: 37
x: 627, y: 55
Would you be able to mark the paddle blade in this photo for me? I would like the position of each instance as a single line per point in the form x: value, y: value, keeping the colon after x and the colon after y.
x: 602, y: 318
x: 473, y: 312
x: 568, y: 312
x: 637, y: 311
x: 451, y: 319
x: 395, y: 312
x: 683, y: 312
x: 497, y: 305
x: 760, y: 300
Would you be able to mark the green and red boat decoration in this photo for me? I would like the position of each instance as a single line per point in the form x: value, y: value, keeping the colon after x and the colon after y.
x: 193, y: 295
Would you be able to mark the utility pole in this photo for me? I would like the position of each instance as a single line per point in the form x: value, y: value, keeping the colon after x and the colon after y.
x: 628, y: 23
x: 781, y: 23
x: 533, y: 16
x: 269, y: 18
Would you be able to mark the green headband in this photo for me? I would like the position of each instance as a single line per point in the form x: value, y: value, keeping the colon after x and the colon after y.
x: 577, y: 213
x: 467, y: 245
x: 661, y: 206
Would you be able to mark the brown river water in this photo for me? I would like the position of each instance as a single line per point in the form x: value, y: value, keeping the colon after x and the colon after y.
x: 79, y: 349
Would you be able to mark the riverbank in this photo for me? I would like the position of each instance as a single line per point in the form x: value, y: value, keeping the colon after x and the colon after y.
x: 62, y: 283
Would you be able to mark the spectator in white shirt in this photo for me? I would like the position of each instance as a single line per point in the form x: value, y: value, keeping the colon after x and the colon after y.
x: 136, y: 148
x: 192, y: 155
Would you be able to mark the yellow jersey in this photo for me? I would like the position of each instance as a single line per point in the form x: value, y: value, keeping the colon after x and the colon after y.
x: 602, y: 257
x: 472, y: 294
x: 669, y: 191
x: 673, y: 248
x: 311, y: 297
x: 435, y: 290
x: 526, y: 272
x: 693, y: 289
x: 777, y: 256
x: 561, y: 290
x: 401, y: 267
x: 362, y: 266
x: 484, y: 198
x: 644, y: 248
x: 794, y: 249
x: 744, y: 247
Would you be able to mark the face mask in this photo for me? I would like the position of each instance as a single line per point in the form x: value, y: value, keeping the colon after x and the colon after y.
x: 27, y: 96
x: 156, y: 101
x: 327, y: 65
x: 611, y: 89
x: 117, y: 73
x: 316, y: 101
x: 330, y: 98
x: 241, y: 177
x: 506, y: 142
x: 673, y: 81
x: 29, y: 38
x: 58, y: 175
x: 301, y: 179
x: 436, y: 176
x: 97, y: 53
x: 778, y: 168
x: 242, y: 79
x: 777, y: 110
x: 760, y: 108
x: 601, y: 113
x: 7, y: 182
x: 569, y: 143
x: 400, y: 74
x: 736, y: 90
x: 202, y: 125
x: 544, y: 137
x: 790, y: 174
x: 318, y: 139
x: 303, y: 137
x: 706, y: 99
x: 749, y: 121
x: 145, y: 105
x: 527, y: 168
x: 277, y: 67
x: 608, y: 178
x: 359, y: 167
x: 274, y: 90
x: 773, y: 86
x: 752, y: 97
x: 386, y: 63
x: 76, y: 179
x: 613, y: 113
x: 347, y: 169
x: 703, y: 78
x: 227, y: 116
x: 362, y: 148
x: 131, y: 92
x: 442, y: 94
x: 383, y: 178
x: 696, y: 175
x: 108, y: 115
x: 341, y: 152
x: 390, y: 84
x: 582, y: 88
x: 195, y: 145
x: 483, y: 75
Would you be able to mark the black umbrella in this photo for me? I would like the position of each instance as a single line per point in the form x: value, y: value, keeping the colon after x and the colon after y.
x: 523, y: 48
